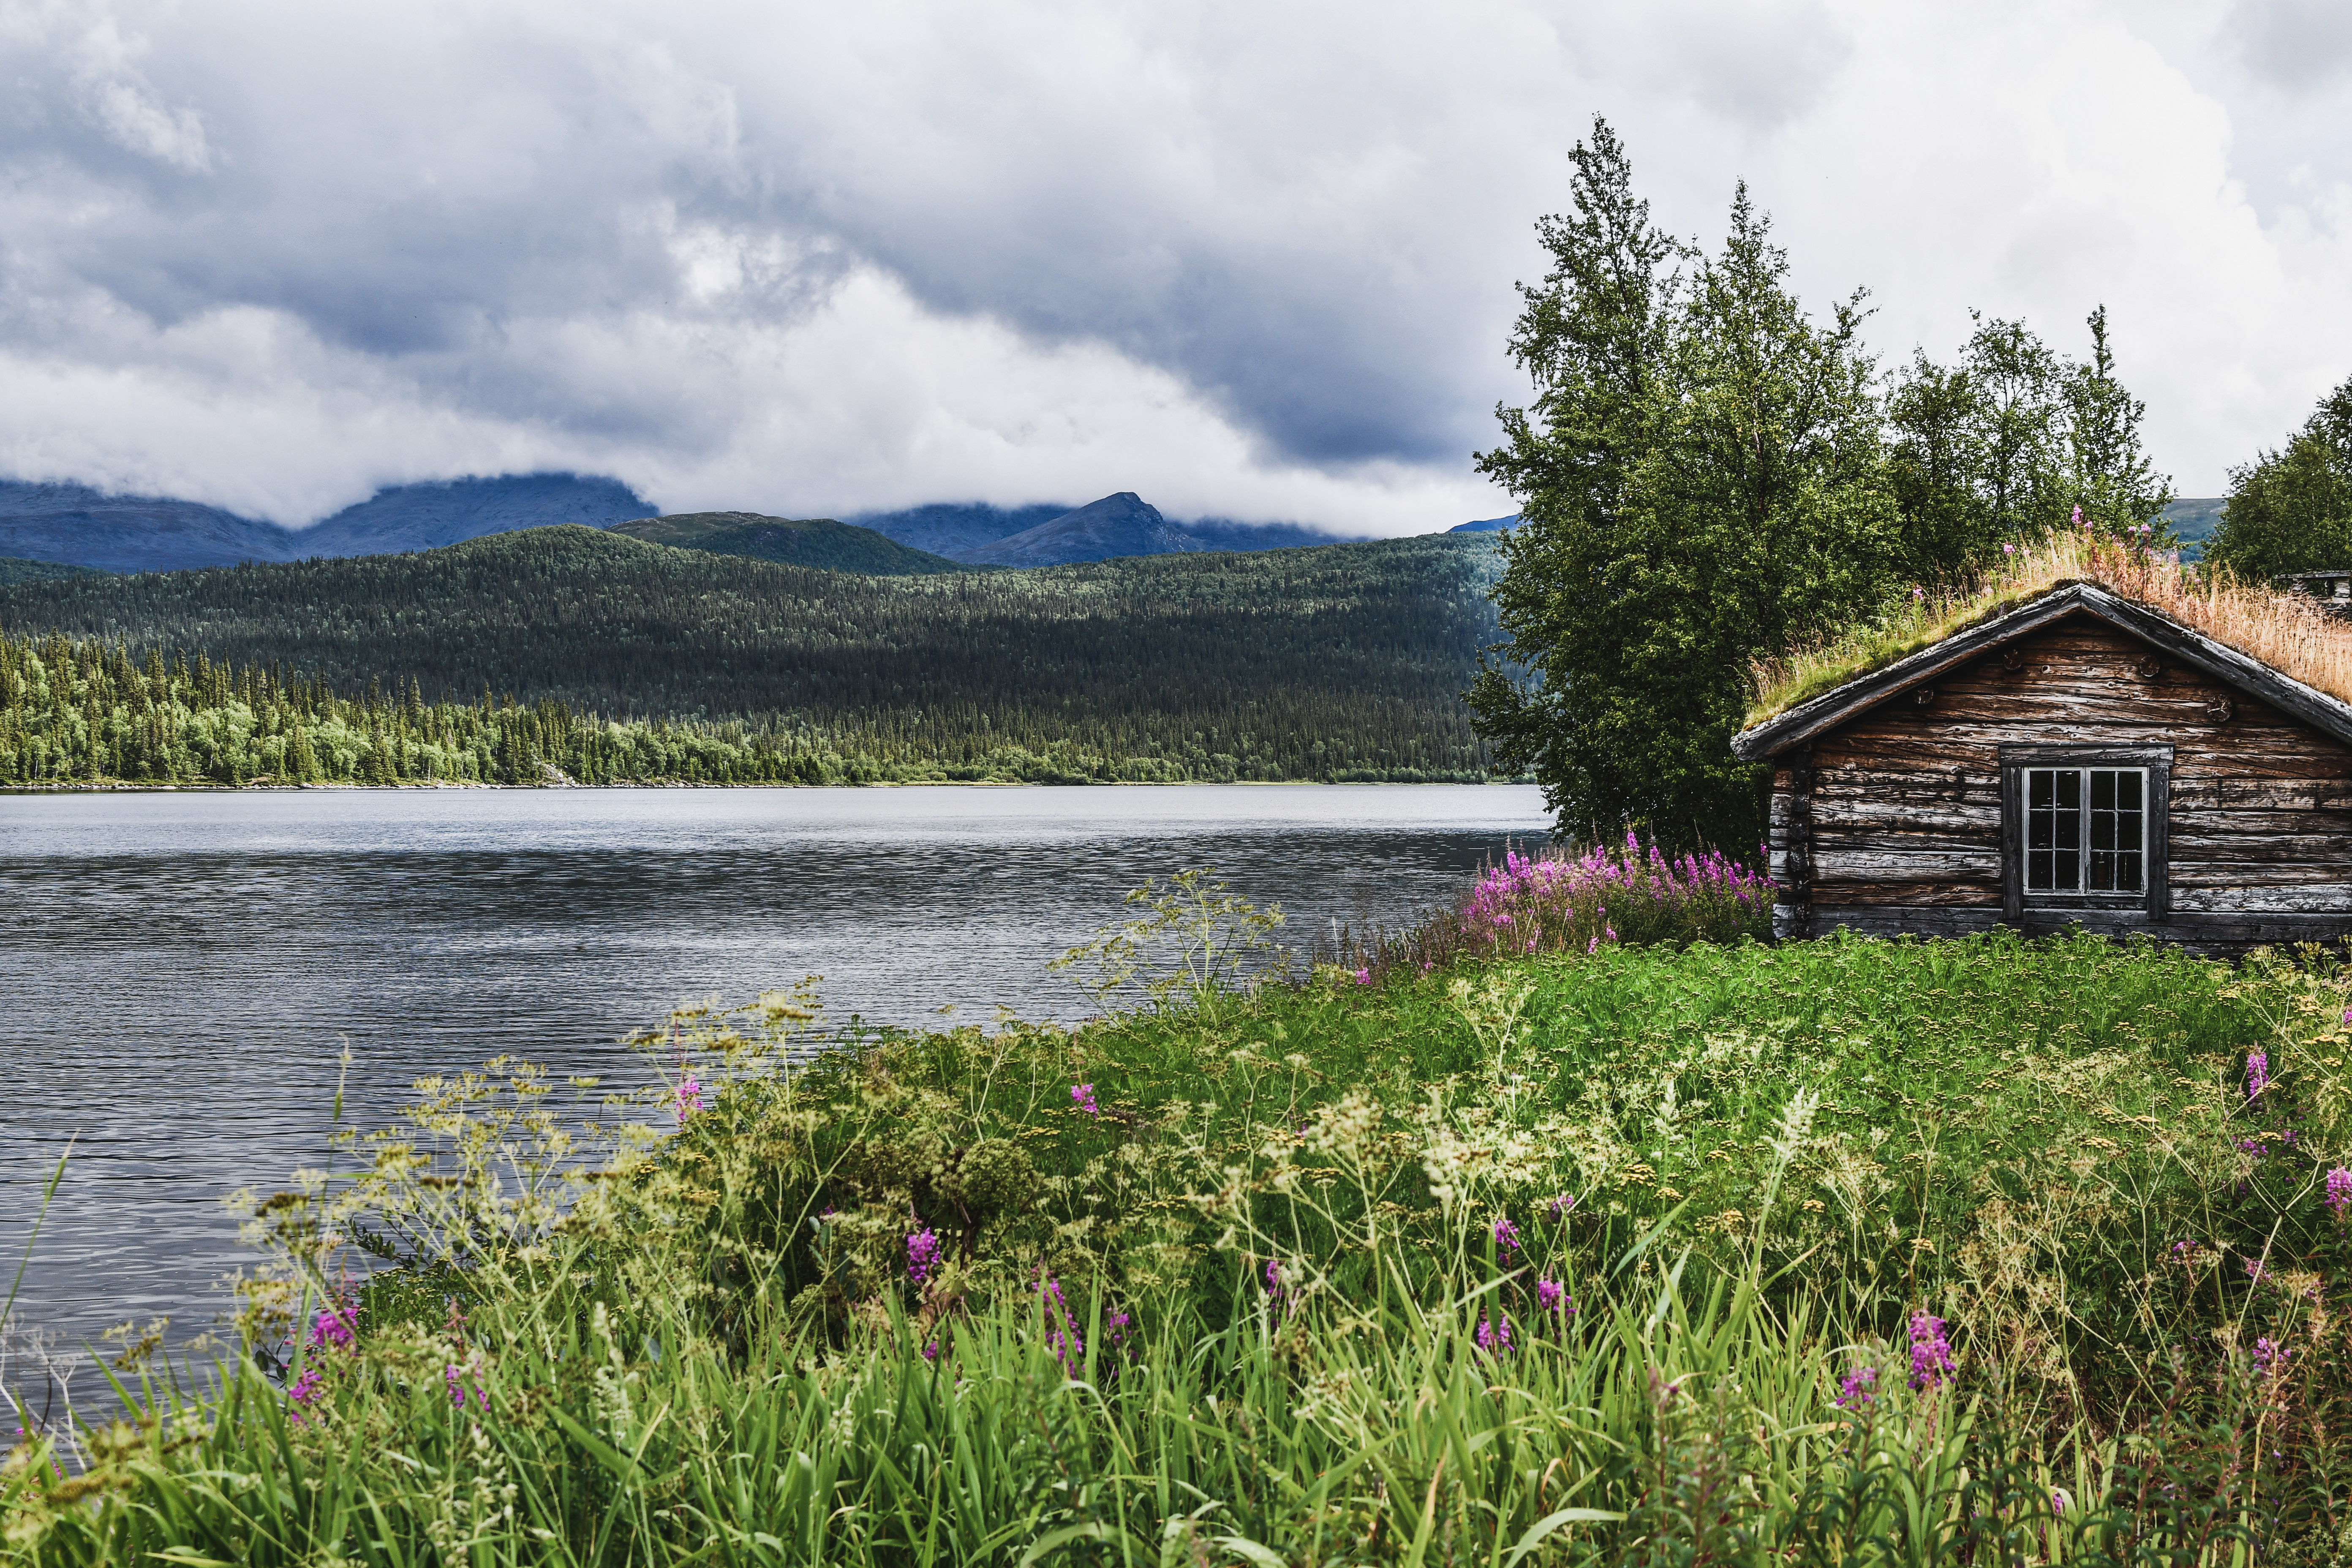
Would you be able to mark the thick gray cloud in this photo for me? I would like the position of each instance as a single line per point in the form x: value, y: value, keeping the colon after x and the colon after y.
x: 2300, y: 45
x: 1250, y: 259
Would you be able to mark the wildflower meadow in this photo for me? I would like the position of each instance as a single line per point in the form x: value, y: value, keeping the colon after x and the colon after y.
x: 1677, y: 1248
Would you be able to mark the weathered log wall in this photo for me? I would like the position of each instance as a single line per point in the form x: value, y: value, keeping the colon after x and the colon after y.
x: 1898, y: 824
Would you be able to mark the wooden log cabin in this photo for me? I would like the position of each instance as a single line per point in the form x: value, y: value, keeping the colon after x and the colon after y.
x: 2079, y: 759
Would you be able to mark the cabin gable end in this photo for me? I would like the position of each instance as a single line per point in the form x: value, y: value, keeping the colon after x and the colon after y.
x: 2078, y: 765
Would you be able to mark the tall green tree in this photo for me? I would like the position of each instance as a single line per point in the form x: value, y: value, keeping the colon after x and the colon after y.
x: 1702, y: 481
x: 2005, y: 443
x: 2112, y: 476
x: 2291, y: 510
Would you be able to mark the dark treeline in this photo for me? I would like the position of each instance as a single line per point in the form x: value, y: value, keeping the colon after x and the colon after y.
x: 617, y: 660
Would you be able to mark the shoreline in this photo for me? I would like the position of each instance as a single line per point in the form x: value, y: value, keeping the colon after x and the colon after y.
x: 112, y: 787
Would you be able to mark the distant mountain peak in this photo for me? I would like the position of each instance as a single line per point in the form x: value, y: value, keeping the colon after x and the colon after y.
x: 1121, y: 523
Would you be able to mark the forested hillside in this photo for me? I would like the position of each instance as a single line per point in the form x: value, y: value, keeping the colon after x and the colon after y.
x: 800, y: 541
x: 15, y: 569
x: 1344, y: 662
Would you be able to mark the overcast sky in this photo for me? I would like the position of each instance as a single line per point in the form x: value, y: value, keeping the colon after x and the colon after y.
x: 1250, y: 259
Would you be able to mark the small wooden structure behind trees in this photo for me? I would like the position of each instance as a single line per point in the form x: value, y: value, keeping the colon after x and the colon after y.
x: 2080, y: 759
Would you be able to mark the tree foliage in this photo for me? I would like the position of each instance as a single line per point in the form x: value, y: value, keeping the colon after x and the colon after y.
x: 1707, y: 474
x: 2291, y: 510
x: 2008, y: 441
x: 1702, y: 479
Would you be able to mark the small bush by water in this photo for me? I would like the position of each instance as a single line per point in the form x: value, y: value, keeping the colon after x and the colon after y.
x: 1838, y: 1252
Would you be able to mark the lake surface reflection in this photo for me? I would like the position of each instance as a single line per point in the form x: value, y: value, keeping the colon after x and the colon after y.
x: 179, y: 972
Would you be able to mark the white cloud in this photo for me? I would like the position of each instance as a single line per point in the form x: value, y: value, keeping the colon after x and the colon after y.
x: 1246, y: 259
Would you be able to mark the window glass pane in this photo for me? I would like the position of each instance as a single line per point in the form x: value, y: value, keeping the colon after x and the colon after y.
x: 2131, y: 830
x: 2086, y: 830
x: 2041, y: 831
x: 2066, y: 831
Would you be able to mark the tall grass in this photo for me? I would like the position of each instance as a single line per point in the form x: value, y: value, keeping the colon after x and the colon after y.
x: 1641, y: 1255
x: 2291, y: 631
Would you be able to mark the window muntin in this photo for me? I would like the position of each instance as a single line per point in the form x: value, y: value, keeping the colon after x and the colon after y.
x: 2085, y: 831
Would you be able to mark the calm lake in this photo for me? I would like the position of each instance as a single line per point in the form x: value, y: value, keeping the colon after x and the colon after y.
x: 179, y: 972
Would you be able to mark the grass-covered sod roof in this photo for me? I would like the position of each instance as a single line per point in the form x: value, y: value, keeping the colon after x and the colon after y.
x: 2291, y: 633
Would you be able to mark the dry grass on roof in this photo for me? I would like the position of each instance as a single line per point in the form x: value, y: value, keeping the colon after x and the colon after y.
x: 2289, y: 632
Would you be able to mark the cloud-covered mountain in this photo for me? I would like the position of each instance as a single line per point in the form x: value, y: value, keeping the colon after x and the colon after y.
x: 1122, y: 523
x: 945, y: 527
x: 76, y: 525
x: 427, y: 516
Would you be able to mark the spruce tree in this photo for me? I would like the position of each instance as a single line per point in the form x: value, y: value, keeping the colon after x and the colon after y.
x: 1703, y: 482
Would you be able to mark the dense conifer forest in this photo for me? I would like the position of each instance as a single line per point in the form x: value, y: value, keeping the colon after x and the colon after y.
x: 514, y: 658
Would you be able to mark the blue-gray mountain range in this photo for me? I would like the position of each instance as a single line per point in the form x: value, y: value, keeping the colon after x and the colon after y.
x: 76, y: 525
x: 1121, y: 524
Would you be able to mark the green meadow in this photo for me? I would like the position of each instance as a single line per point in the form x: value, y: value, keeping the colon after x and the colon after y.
x: 1849, y: 1251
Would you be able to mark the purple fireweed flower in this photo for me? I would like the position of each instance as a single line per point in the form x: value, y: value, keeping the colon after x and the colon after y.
x: 930, y: 1349
x: 2258, y: 1074
x: 1560, y: 1203
x: 1084, y: 1094
x: 1551, y: 1296
x: 1506, y: 1236
x: 1931, y: 1352
x: 1061, y: 1328
x: 2253, y: 1146
x: 1857, y: 1388
x: 2270, y: 1357
x: 2009, y: 550
x: 1364, y: 976
x: 2339, y: 1190
x: 335, y: 1328
x: 454, y: 1376
x: 2059, y: 1502
x: 306, y: 1386
x: 1273, y: 1276
x: 2078, y: 518
x: 922, y: 1256
x: 690, y: 1098
x: 1495, y: 1334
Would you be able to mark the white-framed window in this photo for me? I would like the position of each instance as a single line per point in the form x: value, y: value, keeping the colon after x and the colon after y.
x: 2086, y: 827
x: 2085, y: 831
